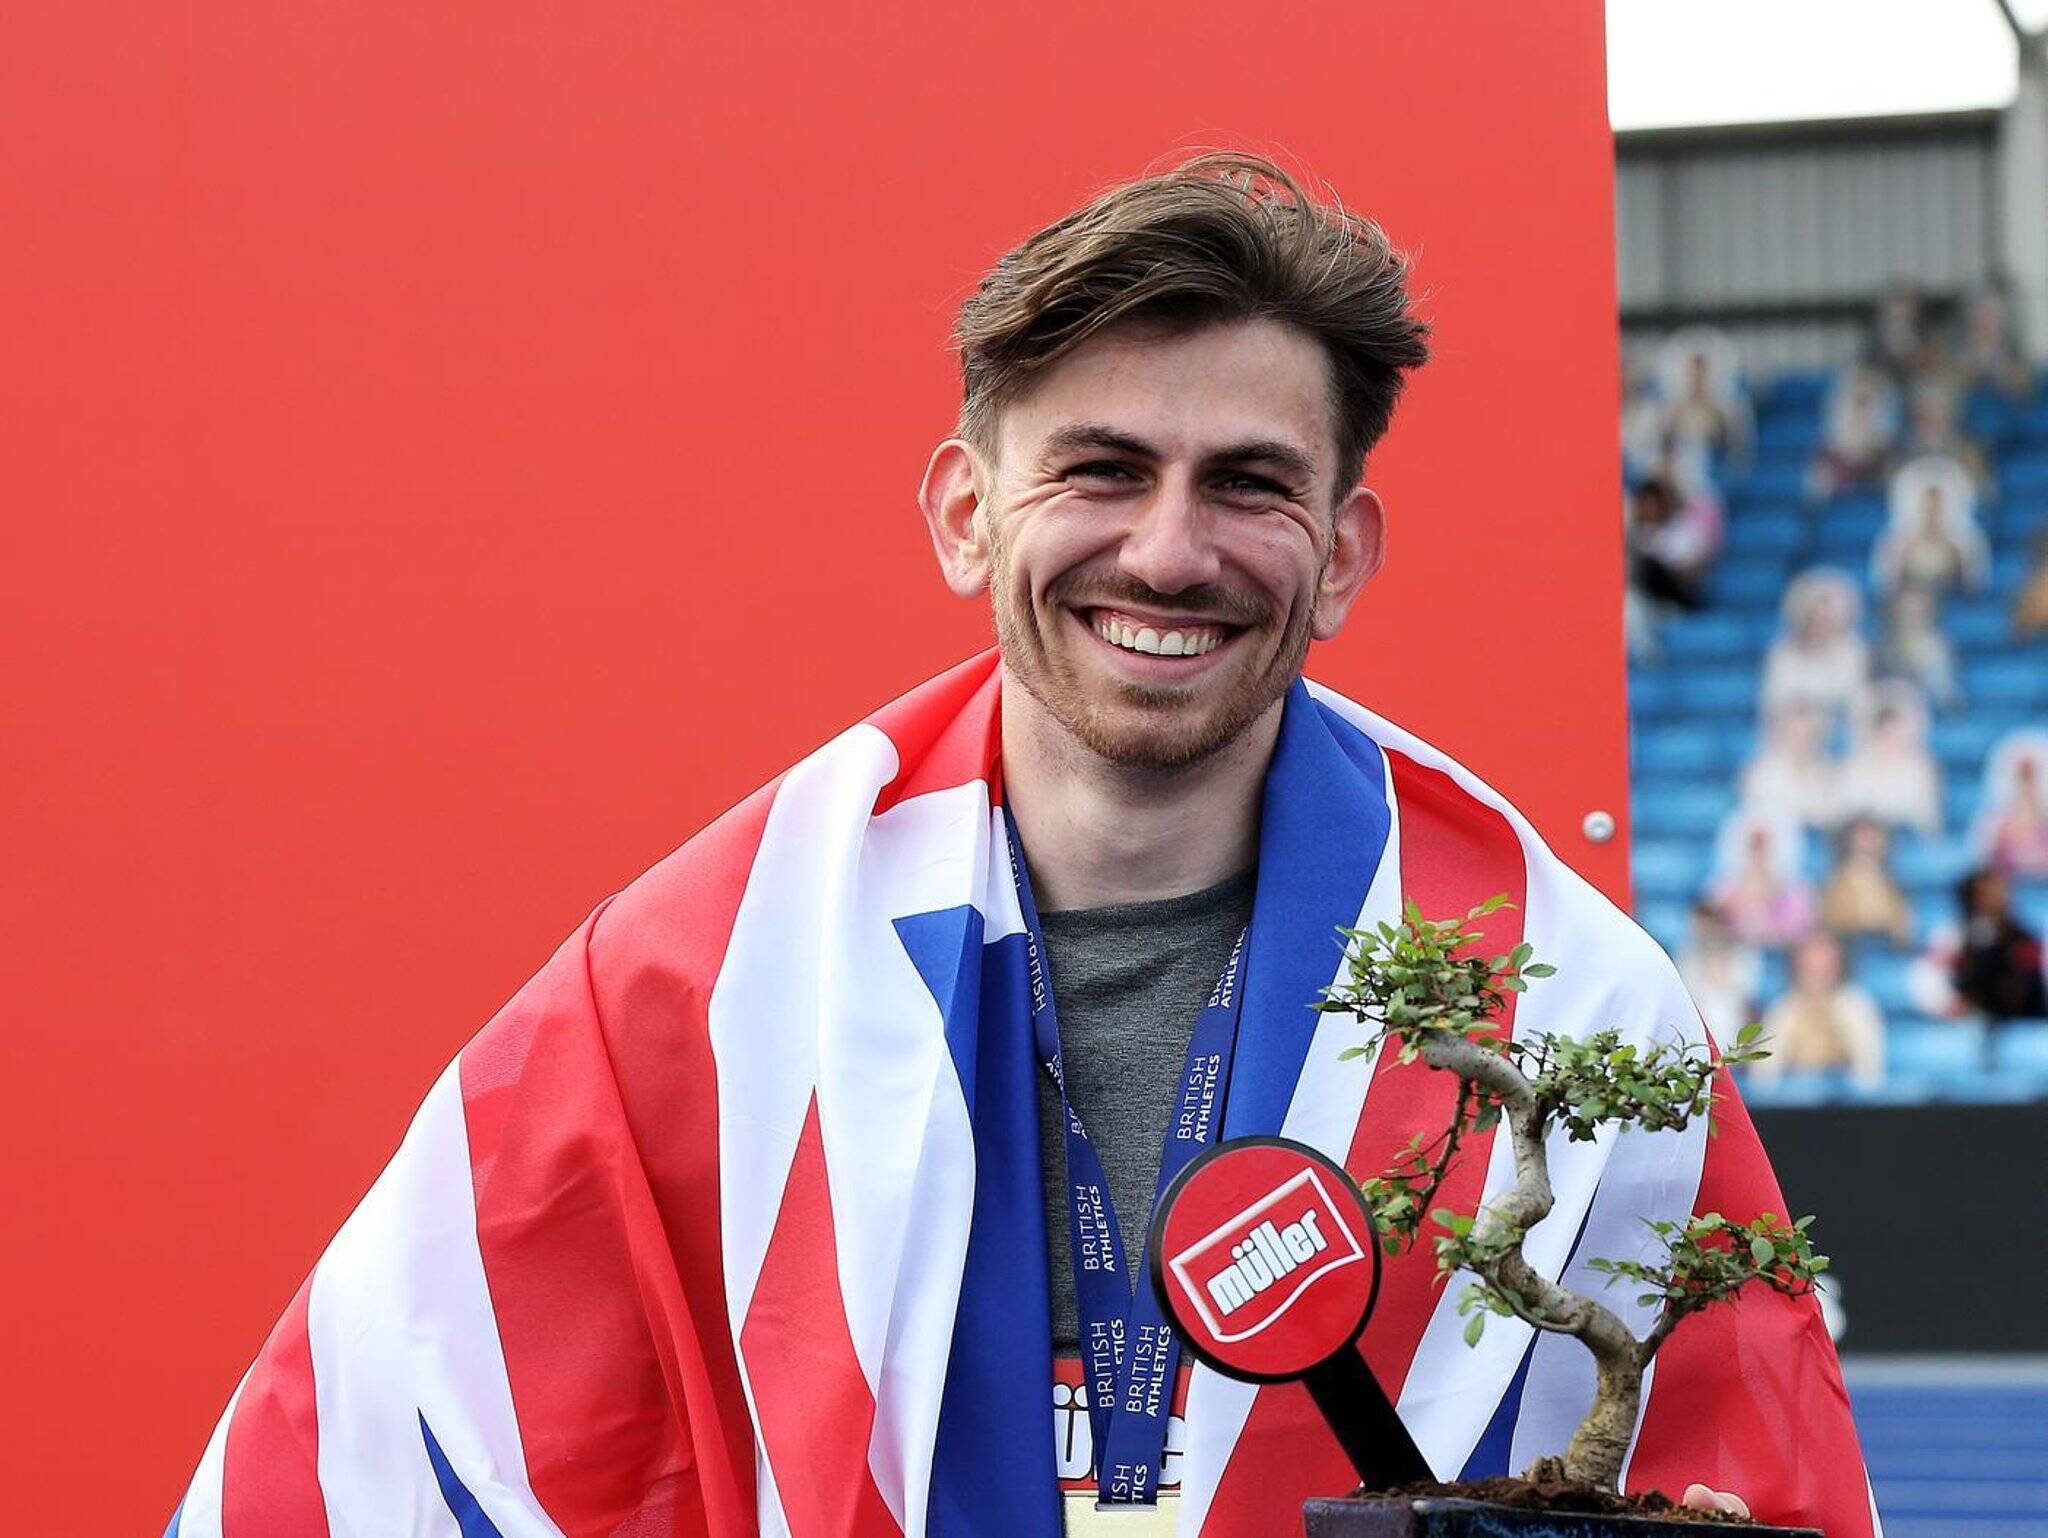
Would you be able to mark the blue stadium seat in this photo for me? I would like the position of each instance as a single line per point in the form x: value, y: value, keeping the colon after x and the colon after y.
x: 1960, y: 796
x: 2030, y: 902
x: 1944, y: 1052
x: 1977, y: 622
x: 1850, y: 527
x: 1713, y: 633
x: 1782, y: 481
x: 1882, y: 974
x: 2017, y: 521
x: 1961, y: 742
x: 1797, y: 1087
x: 1682, y: 809
x: 1923, y: 863
x: 1668, y: 920
x: 1786, y: 434
x: 2017, y: 681
x: 1749, y: 583
x: 1681, y: 748
x: 1710, y: 691
x: 2019, y: 1051
x: 1797, y: 390
x: 1766, y: 529
x: 2023, y: 474
x: 2009, y: 570
x: 1668, y: 869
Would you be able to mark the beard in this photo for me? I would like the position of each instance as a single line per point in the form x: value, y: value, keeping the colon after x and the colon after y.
x: 1145, y: 726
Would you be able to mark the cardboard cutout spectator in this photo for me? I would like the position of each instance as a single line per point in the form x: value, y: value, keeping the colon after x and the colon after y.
x: 1934, y: 426
x: 1758, y: 880
x: 1890, y: 776
x: 1818, y: 658
x: 1823, y: 1021
x: 2012, y: 830
x: 2030, y: 609
x: 1722, y: 972
x: 1902, y: 342
x: 1932, y: 540
x: 1997, y: 970
x: 1671, y: 544
x: 1792, y: 777
x: 1860, y: 897
x: 1707, y: 416
x: 1858, y: 428
x: 1991, y: 356
x: 1916, y: 650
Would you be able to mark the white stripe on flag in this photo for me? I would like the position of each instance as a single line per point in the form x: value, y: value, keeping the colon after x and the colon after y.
x: 897, y: 1140
x: 770, y: 984
x: 401, y: 1326
x: 199, y: 1517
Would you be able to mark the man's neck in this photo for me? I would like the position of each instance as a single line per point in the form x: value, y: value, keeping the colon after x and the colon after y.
x: 1100, y: 833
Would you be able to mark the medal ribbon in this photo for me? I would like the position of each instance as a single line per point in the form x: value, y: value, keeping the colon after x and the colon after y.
x: 1129, y: 1353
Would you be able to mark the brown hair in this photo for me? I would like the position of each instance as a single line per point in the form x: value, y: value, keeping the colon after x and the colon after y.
x: 1223, y: 236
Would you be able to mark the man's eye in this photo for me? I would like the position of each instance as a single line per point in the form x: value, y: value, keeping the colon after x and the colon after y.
x: 1101, y: 469
x: 1254, y: 483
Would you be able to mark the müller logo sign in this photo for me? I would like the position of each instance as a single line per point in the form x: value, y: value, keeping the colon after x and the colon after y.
x: 1262, y: 1252
x: 1251, y: 1269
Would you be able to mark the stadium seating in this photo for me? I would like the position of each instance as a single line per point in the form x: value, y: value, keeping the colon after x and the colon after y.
x: 1693, y: 708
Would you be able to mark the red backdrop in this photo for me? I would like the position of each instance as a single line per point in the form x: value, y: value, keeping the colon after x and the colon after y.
x: 453, y: 450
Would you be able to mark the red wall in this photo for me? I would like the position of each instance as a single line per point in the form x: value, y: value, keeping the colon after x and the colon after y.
x: 452, y: 450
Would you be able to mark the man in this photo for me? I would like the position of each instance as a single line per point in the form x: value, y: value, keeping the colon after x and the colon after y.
x: 762, y: 1207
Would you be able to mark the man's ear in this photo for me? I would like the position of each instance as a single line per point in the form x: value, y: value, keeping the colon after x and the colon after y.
x: 951, y: 495
x: 1358, y: 544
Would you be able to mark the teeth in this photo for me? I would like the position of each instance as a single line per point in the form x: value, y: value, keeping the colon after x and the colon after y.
x: 1172, y: 643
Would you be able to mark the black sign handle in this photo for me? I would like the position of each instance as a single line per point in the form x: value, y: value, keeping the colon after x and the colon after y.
x: 1366, y: 1423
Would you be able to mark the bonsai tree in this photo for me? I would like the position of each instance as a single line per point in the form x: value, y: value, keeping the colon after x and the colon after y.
x: 1425, y: 991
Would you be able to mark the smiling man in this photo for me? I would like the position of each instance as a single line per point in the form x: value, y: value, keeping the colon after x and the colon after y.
x: 776, y: 1201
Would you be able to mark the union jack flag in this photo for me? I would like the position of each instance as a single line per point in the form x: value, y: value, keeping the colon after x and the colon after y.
x: 730, y: 1222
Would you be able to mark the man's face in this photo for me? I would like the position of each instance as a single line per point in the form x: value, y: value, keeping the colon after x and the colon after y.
x: 1161, y: 537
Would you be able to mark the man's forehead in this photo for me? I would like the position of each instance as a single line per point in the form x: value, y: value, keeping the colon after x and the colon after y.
x: 1203, y: 393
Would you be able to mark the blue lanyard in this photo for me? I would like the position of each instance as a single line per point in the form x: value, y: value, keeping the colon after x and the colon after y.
x: 1129, y: 1353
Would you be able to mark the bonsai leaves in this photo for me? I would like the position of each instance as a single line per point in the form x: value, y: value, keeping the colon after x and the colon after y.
x: 1425, y: 989
x: 1710, y: 1258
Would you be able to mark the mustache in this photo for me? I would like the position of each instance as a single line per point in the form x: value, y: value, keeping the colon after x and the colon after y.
x: 1110, y: 590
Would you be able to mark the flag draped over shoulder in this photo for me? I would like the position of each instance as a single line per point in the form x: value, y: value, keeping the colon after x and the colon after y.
x: 731, y: 1222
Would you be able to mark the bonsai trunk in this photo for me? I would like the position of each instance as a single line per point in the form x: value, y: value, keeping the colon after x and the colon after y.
x: 1597, y: 1448
x: 1601, y: 1442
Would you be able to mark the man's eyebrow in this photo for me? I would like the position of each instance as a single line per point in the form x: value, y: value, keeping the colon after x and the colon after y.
x: 1272, y: 451
x: 1099, y: 435
x: 1096, y: 435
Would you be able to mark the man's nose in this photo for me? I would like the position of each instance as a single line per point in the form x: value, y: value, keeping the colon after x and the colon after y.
x: 1171, y: 544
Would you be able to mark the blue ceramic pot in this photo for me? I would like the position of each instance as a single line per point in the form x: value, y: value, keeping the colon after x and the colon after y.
x: 1429, y: 1516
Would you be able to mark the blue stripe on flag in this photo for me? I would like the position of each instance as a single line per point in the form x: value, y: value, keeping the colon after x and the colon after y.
x: 945, y: 947
x: 469, y: 1516
x: 995, y: 1415
x: 1497, y: 1442
x: 1322, y: 831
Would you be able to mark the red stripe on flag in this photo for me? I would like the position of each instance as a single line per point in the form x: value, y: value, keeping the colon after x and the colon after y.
x: 593, y: 1127
x: 946, y: 731
x: 271, y: 1480
x: 1456, y: 852
x: 1748, y: 1396
x: 816, y: 1410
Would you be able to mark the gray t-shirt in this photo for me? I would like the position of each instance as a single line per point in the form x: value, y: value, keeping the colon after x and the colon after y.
x: 1128, y: 982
